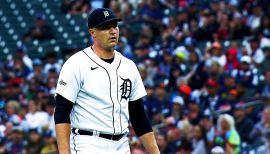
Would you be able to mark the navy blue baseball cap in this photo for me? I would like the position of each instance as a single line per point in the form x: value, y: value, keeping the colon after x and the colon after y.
x: 101, y: 16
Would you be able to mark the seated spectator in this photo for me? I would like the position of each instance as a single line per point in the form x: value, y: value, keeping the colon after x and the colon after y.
x: 227, y: 136
x: 238, y: 29
x: 260, y: 129
x: 162, y: 144
x: 50, y: 144
x: 193, y: 114
x: 227, y: 85
x: 264, y: 88
x: 40, y: 31
x: 206, y: 122
x: 208, y: 26
x: 199, y: 142
x: 12, y: 110
x: 21, y: 53
x: 16, y: 142
x: 51, y: 63
x: 215, y: 54
x: 215, y: 72
x: 34, y: 141
x: 210, y: 99
x: 232, y: 62
x: 256, y: 53
x: 246, y: 73
x: 243, y: 123
x: 185, y: 147
x: 36, y: 118
x: 265, y: 148
x: 37, y: 74
x: 177, y: 110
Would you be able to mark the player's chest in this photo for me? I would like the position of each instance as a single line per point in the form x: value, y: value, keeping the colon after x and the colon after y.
x: 116, y: 81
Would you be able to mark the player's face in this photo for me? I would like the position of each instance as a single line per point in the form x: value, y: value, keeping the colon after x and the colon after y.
x: 107, y: 35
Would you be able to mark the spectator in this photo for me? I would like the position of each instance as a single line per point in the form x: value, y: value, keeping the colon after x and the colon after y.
x: 21, y: 54
x: 254, y: 19
x: 260, y: 129
x: 152, y: 15
x: 162, y: 144
x: 16, y: 143
x: 40, y: 31
x: 35, y: 118
x: 227, y: 86
x: 208, y: 26
x: 34, y: 142
x: 265, y: 148
x: 243, y: 123
x: 178, y: 105
x: 215, y: 54
x: 232, y: 62
x: 51, y: 63
x: 37, y: 74
x: 12, y: 110
x: 238, y: 29
x: 199, y: 141
x: 50, y: 144
x: 264, y: 88
x: 257, y: 54
x: 210, y: 99
x: 185, y: 147
x: 246, y: 74
x: 227, y: 135
x: 206, y: 122
x: 215, y: 72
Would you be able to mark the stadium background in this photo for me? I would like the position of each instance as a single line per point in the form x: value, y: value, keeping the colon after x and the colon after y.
x: 201, y: 61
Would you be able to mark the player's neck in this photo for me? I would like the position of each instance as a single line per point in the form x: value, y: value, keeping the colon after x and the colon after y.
x: 102, y: 53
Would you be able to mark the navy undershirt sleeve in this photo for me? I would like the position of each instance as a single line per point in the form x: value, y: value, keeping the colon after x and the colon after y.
x: 62, y: 110
x: 138, y: 118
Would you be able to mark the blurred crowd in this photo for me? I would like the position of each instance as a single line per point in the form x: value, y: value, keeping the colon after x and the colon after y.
x: 205, y: 65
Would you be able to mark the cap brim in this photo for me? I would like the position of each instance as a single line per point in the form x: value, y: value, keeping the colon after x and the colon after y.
x: 108, y: 21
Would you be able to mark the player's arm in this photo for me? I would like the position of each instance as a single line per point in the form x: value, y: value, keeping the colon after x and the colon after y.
x: 62, y: 123
x: 142, y: 126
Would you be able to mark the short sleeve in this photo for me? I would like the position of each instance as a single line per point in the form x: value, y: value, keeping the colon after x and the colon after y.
x: 69, y: 80
x: 138, y: 90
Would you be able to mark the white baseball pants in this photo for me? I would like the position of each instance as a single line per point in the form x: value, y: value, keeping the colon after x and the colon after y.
x: 86, y: 144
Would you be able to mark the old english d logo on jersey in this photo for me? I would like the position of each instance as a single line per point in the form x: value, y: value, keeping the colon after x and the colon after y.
x: 125, y: 88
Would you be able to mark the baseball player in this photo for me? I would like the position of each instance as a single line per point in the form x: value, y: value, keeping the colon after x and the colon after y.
x: 98, y: 93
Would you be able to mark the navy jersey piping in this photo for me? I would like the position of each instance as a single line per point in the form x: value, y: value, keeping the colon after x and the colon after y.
x: 74, y: 142
x: 117, y: 96
x: 110, y: 86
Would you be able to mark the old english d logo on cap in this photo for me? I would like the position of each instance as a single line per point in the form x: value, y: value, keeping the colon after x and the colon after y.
x: 101, y: 16
x: 106, y: 14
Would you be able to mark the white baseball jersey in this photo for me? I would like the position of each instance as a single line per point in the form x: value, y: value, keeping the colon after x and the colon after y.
x: 100, y: 91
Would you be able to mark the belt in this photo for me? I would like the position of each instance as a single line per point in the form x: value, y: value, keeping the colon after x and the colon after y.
x: 95, y: 133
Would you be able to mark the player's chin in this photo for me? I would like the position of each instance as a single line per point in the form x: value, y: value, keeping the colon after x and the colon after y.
x: 113, y: 43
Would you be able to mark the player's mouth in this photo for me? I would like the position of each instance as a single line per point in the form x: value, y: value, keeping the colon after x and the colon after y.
x: 113, y: 38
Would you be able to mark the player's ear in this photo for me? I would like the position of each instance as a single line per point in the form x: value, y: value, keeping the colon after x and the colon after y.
x: 92, y: 32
